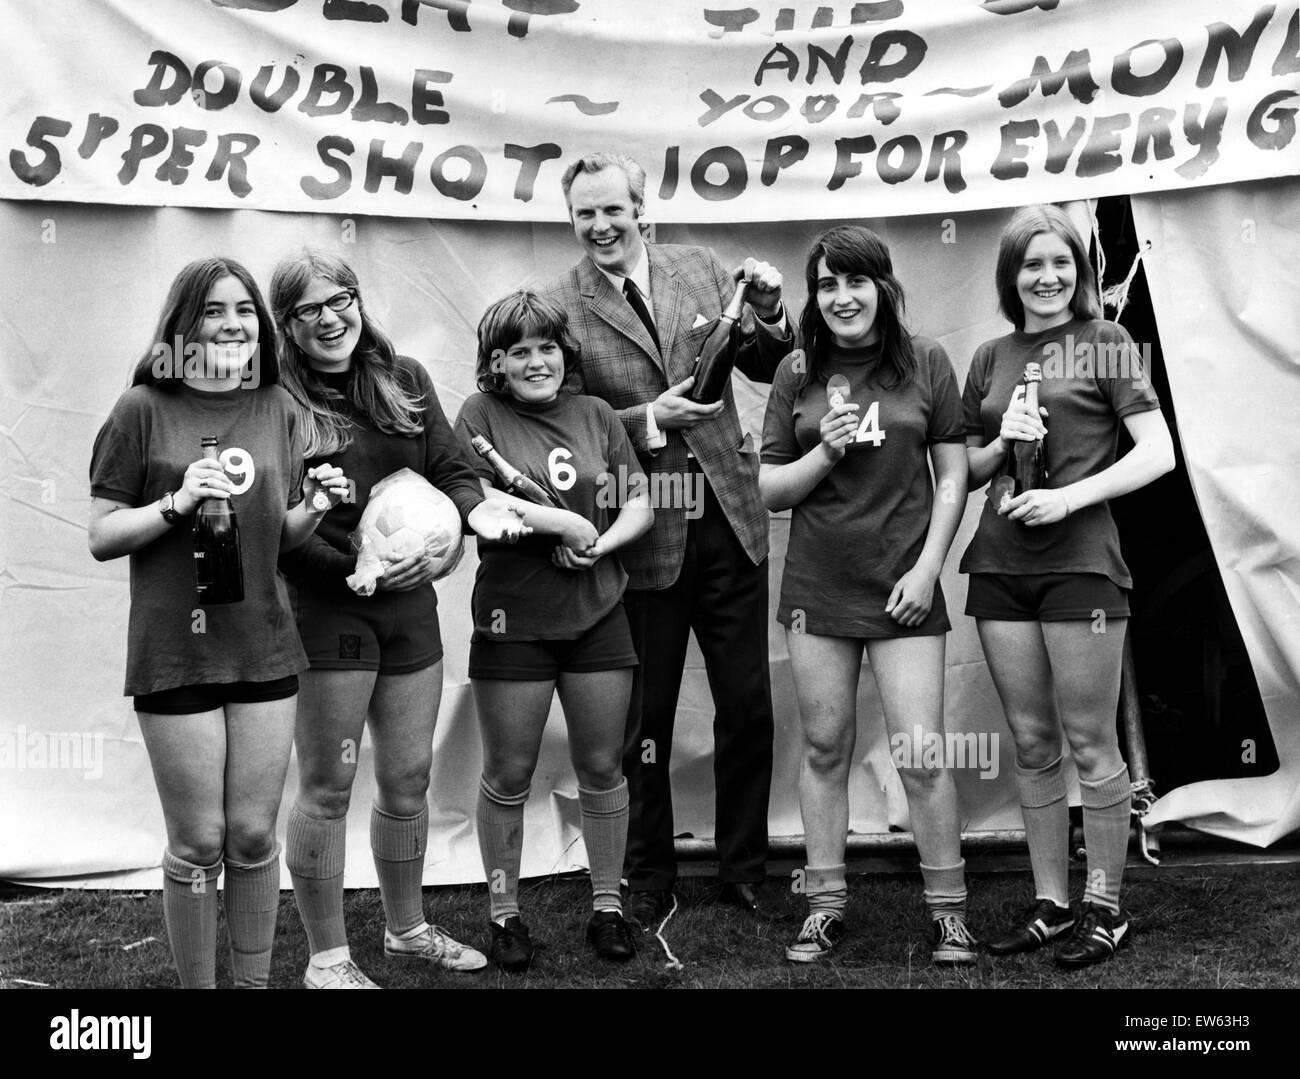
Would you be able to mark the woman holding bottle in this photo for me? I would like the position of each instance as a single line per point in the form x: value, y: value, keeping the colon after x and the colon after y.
x: 549, y: 615
x: 854, y: 423
x: 215, y: 684
x: 1047, y: 581
x: 376, y: 658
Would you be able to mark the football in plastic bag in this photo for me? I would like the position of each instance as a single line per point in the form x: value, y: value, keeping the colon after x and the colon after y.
x: 405, y: 514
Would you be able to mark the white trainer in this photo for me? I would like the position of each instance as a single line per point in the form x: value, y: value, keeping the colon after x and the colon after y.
x: 436, y: 945
x: 345, y: 975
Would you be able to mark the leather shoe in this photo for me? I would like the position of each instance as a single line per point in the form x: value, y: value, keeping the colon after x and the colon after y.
x: 648, y: 908
x: 611, y: 936
x: 740, y: 893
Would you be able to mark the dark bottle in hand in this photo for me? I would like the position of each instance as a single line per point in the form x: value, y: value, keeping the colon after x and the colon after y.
x: 218, y: 566
x: 513, y: 482
x: 1026, y: 464
x: 717, y: 355
x: 1031, y: 457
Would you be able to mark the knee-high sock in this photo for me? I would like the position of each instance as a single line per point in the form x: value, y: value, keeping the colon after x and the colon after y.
x: 398, y: 846
x: 314, y: 853
x: 501, y: 843
x: 252, y: 898
x: 190, y: 911
x: 826, y: 888
x: 604, y: 831
x: 1106, y: 810
x: 945, y: 889
x: 1047, y: 829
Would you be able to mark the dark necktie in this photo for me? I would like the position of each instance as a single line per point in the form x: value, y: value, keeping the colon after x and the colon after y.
x: 633, y: 295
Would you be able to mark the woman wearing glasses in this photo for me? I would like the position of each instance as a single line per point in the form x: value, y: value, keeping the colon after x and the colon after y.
x: 371, y: 412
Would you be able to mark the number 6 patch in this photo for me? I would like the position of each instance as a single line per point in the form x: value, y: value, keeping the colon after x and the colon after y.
x: 869, y: 430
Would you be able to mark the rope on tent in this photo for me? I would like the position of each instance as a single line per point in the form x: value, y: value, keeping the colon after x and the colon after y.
x: 1116, y: 296
x: 1099, y: 249
x: 672, y: 962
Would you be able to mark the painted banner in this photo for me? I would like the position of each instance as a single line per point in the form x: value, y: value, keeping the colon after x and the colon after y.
x: 778, y: 110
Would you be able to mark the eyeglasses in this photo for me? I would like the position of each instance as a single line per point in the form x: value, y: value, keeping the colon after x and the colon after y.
x: 310, y: 312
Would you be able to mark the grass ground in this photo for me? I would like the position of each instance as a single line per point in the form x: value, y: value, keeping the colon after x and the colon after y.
x: 1234, y: 929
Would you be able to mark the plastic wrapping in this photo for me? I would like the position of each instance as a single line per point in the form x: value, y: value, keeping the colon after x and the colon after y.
x: 405, y: 513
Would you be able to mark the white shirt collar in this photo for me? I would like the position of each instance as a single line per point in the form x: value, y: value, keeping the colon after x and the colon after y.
x: 640, y: 276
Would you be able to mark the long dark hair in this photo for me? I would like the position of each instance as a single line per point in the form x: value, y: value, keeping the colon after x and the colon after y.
x: 1025, y: 224
x: 182, y: 315
x: 519, y: 314
x: 374, y: 389
x: 853, y: 249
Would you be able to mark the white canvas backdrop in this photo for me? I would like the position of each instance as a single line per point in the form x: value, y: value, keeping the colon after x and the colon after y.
x: 87, y: 283
x: 76, y: 795
x: 1224, y: 267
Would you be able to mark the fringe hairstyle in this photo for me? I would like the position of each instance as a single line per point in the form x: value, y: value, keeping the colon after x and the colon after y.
x: 853, y: 249
x: 182, y: 315
x: 523, y: 313
x: 1025, y: 224
x: 374, y: 389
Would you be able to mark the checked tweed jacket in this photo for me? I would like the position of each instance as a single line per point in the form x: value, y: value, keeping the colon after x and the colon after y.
x: 689, y: 287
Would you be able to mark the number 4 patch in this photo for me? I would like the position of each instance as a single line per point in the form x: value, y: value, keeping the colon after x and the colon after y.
x: 869, y: 430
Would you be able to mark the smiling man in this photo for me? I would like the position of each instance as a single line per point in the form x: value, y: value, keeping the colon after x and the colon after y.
x: 640, y: 313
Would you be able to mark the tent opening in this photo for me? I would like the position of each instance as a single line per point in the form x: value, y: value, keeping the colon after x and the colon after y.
x: 1201, y: 709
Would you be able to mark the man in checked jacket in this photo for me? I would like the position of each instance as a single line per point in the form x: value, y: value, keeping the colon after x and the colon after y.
x: 640, y: 312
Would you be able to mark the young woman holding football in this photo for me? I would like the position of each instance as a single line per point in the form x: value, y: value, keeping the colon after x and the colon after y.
x: 378, y: 658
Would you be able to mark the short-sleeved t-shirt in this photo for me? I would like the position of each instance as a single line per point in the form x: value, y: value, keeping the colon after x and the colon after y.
x: 323, y: 563
x: 151, y: 436
x: 576, y: 448
x: 1092, y: 378
x: 864, y: 525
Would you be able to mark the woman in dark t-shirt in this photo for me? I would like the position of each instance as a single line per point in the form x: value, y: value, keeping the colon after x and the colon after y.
x: 1047, y: 585
x: 374, y: 659
x: 854, y: 423
x: 215, y: 684
x: 548, y: 614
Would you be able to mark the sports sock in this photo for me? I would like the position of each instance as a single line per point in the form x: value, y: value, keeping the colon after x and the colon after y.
x: 826, y: 888
x: 330, y: 956
x: 314, y: 852
x: 604, y: 831
x: 945, y: 889
x: 1047, y: 829
x: 398, y: 846
x: 1106, y: 812
x: 500, y: 819
x: 190, y: 913
x: 252, y: 898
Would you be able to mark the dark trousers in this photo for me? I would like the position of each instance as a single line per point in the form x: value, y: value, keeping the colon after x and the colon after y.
x: 722, y: 596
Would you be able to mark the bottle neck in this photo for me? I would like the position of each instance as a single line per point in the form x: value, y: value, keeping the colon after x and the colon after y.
x: 504, y: 468
x: 732, y: 312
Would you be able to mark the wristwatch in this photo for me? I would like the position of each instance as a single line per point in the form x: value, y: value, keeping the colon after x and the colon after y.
x: 167, y: 507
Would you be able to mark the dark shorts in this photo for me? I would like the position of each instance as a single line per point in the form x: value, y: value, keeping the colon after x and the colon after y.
x: 190, y: 700
x: 389, y: 632
x: 1044, y: 597
x: 606, y: 646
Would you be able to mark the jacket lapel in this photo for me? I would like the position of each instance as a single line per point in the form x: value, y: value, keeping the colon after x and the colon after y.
x: 666, y: 293
x: 612, y: 307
